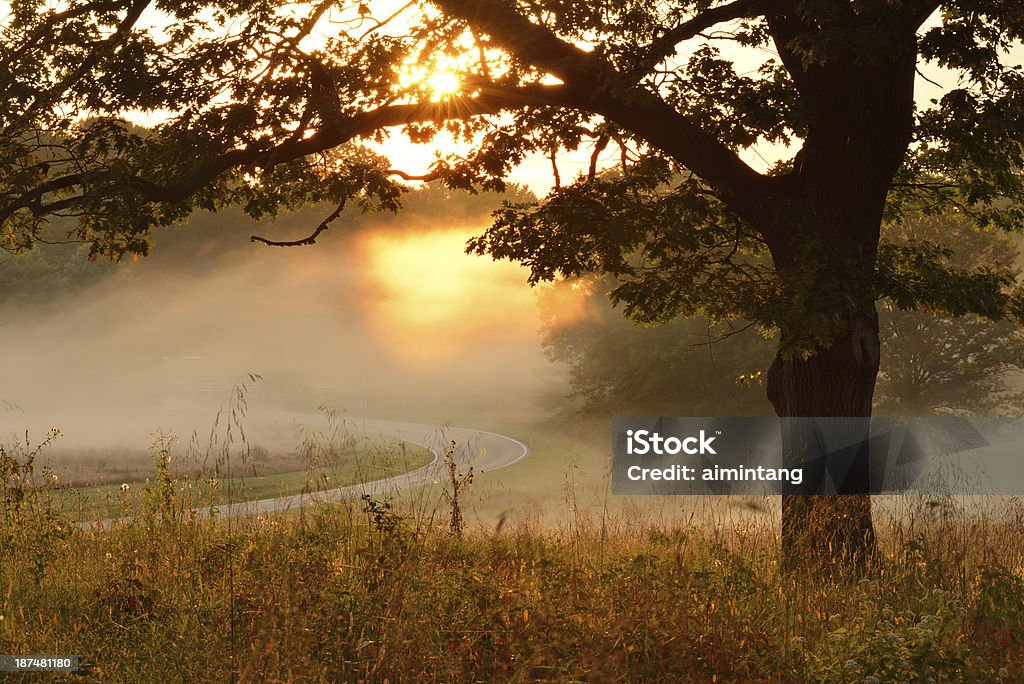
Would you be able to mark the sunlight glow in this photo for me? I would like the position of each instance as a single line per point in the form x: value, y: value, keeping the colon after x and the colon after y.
x: 429, y: 301
x: 435, y: 79
x: 443, y: 84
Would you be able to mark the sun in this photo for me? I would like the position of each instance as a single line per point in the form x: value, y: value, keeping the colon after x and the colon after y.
x: 443, y: 84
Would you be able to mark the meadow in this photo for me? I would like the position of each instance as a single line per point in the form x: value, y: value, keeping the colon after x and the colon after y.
x: 262, y: 475
x: 400, y: 589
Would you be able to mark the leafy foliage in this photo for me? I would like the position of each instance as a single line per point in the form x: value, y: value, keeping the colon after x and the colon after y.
x: 262, y: 106
x: 933, y: 361
x: 937, y: 364
x: 667, y: 240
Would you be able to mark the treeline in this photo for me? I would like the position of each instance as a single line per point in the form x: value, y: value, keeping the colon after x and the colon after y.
x: 55, y: 267
x: 931, y: 364
x: 688, y: 366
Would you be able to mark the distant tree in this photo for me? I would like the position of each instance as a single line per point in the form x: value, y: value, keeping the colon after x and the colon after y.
x: 265, y: 105
x: 930, y: 364
x: 687, y: 366
x: 47, y: 274
x: 936, y: 364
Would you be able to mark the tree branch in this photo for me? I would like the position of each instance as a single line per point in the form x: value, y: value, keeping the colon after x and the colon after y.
x: 599, y: 145
x: 665, y: 46
x: 265, y: 154
x: 724, y: 336
x: 918, y: 11
x: 599, y: 88
x: 125, y: 27
x: 308, y: 240
x: 784, y: 25
x: 554, y: 169
x: 536, y: 45
x: 52, y: 20
x: 423, y: 177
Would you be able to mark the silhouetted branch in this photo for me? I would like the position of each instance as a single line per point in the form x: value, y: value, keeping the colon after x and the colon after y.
x: 726, y: 335
x: 665, y: 46
x: 309, y: 240
x: 599, y: 146
x: 425, y: 177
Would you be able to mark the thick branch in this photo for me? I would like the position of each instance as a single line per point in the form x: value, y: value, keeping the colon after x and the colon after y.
x: 665, y: 46
x: 784, y: 25
x: 264, y: 154
x: 601, y: 89
x: 536, y: 45
x: 918, y: 11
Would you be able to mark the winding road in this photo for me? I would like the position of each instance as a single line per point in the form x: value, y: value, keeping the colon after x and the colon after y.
x: 484, y: 451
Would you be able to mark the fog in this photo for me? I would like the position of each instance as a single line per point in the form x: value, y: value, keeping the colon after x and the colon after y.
x: 384, y: 317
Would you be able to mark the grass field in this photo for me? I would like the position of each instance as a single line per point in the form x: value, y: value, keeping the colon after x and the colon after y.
x: 114, y: 483
x: 373, y: 459
x: 384, y: 590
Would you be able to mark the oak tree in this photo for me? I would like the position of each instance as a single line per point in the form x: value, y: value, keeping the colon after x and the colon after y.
x: 268, y: 104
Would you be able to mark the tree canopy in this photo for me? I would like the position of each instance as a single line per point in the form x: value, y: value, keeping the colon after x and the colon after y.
x: 930, y: 363
x: 270, y: 104
x: 266, y: 104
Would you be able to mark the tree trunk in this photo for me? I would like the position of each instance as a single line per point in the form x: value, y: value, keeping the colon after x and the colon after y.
x: 823, y: 234
x: 838, y: 381
x: 828, y: 358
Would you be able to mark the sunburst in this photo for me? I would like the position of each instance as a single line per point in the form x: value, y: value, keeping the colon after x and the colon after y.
x: 443, y: 84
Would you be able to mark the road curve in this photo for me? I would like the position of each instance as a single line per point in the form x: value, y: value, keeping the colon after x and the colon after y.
x: 484, y: 451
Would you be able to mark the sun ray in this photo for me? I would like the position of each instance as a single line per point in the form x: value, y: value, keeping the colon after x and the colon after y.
x: 443, y: 84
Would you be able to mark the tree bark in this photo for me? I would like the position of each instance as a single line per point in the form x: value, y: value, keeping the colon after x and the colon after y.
x: 834, y: 530
x: 823, y: 232
x: 828, y: 357
x: 826, y: 269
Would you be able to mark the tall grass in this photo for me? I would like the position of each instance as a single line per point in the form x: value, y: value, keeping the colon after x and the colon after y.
x: 379, y: 589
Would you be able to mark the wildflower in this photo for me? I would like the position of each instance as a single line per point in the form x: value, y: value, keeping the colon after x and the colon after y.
x: 125, y: 487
